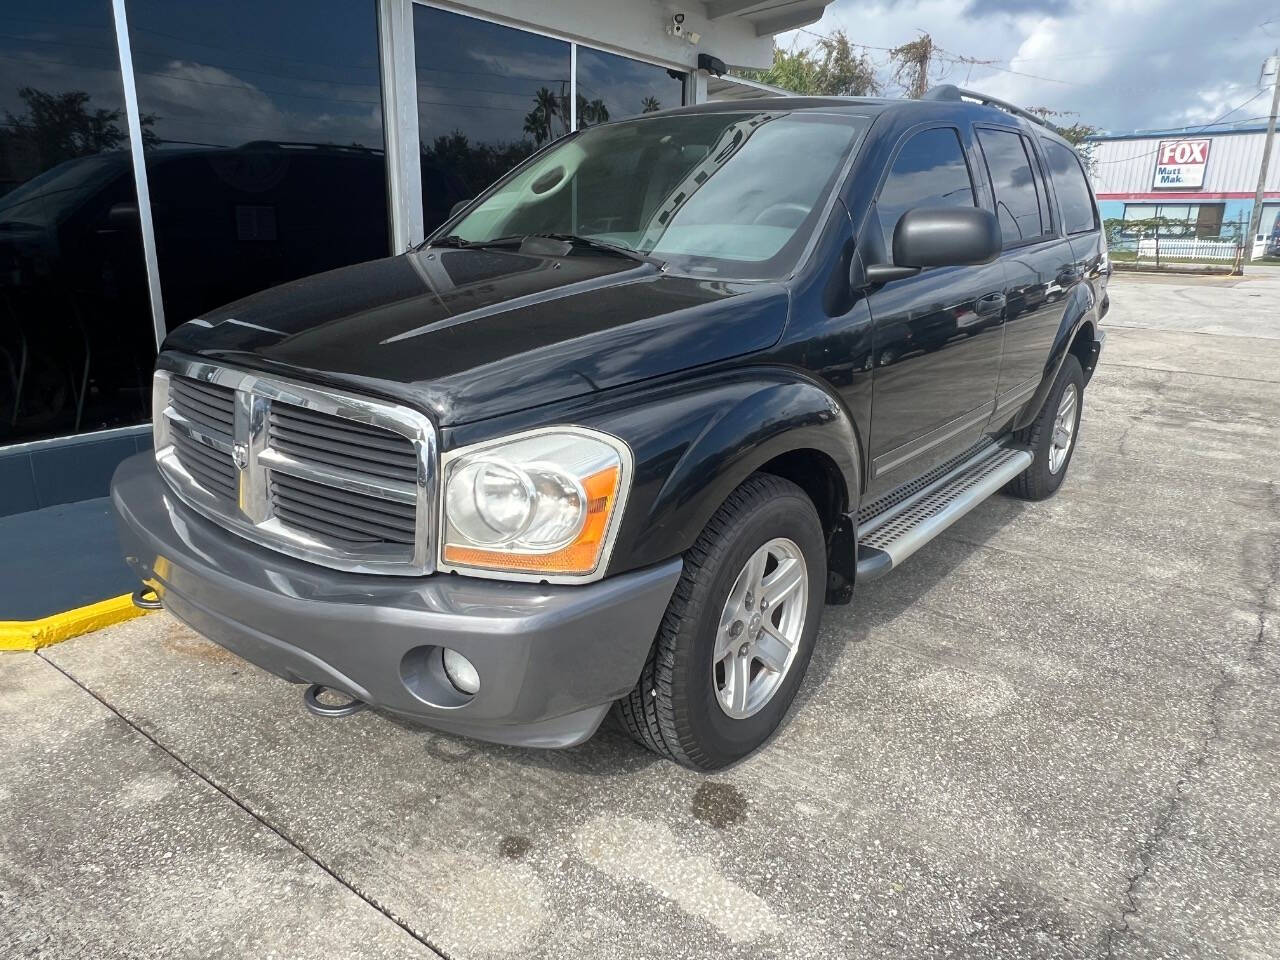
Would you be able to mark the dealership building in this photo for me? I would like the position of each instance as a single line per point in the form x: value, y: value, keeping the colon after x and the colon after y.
x: 160, y: 159
x: 1201, y: 181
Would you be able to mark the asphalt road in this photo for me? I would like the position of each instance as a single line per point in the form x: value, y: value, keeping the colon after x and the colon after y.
x: 1053, y: 733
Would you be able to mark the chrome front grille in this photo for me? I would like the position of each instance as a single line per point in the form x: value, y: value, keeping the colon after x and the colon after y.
x: 328, y: 477
x: 202, y: 421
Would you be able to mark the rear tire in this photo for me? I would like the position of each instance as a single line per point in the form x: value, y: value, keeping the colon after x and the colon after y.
x: 684, y: 705
x: 1051, y: 436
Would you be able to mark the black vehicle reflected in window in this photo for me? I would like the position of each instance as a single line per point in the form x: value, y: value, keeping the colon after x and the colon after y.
x: 929, y: 171
x: 1017, y: 190
x: 264, y: 143
x: 488, y: 96
x: 76, y: 338
x: 611, y: 87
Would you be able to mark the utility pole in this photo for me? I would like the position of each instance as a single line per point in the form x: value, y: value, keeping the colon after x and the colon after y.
x: 1255, y: 220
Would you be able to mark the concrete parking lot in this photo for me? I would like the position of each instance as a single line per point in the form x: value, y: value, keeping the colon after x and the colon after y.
x: 1055, y: 732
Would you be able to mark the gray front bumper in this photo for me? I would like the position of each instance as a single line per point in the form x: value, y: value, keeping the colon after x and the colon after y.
x: 551, y: 659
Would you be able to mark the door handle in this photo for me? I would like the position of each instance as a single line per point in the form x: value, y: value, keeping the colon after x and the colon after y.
x: 991, y: 303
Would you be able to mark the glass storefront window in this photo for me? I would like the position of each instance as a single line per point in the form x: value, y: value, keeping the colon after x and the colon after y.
x: 76, y: 339
x: 264, y: 142
x: 611, y: 87
x: 488, y: 96
x: 1175, y: 219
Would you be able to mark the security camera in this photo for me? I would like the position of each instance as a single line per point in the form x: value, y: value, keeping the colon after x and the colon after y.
x: 677, y: 24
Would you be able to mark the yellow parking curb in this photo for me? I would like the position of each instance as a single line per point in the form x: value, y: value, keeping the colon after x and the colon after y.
x: 33, y: 634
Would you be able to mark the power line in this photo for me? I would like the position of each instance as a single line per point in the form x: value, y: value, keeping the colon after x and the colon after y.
x: 1186, y: 133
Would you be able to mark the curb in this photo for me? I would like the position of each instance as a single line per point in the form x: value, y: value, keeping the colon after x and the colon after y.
x: 34, y: 634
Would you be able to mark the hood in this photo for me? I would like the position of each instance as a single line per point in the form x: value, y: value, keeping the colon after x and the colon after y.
x: 469, y: 334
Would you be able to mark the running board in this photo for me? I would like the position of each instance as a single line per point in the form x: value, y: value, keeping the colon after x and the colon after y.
x: 906, y: 524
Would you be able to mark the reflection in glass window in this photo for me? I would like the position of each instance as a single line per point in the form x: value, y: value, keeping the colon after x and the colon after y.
x: 611, y: 87
x: 488, y: 96
x: 263, y: 127
x: 1074, y: 195
x: 76, y: 339
x: 1016, y: 188
x: 929, y: 171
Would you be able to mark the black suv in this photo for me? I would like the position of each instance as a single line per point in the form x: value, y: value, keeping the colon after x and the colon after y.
x: 612, y: 436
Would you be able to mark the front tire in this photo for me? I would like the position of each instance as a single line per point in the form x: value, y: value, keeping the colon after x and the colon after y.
x: 1051, y: 436
x: 737, y: 636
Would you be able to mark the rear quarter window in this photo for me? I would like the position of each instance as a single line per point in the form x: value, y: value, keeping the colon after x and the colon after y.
x: 1074, y: 195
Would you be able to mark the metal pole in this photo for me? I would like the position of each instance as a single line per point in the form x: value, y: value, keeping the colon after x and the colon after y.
x: 134, y: 117
x: 1255, y: 219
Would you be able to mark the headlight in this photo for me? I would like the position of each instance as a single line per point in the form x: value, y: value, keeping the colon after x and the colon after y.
x: 541, y: 504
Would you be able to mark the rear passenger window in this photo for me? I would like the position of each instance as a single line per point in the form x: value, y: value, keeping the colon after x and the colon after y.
x: 929, y: 171
x: 1018, y: 201
x: 1074, y: 195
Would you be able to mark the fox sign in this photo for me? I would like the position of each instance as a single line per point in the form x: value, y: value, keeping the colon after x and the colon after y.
x: 1181, y: 163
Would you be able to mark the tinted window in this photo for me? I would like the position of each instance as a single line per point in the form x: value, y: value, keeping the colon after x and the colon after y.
x: 930, y: 171
x: 1074, y: 195
x: 1018, y: 204
x: 264, y: 143
x: 76, y: 337
x: 488, y: 96
x: 615, y: 88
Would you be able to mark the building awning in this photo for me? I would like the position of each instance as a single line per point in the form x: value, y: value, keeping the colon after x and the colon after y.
x: 768, y: 16
x: 730, y: 87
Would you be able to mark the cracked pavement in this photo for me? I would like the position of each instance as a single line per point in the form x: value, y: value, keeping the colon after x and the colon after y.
x: 1052, y: 733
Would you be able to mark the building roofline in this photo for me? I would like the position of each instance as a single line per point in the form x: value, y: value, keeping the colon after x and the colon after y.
x: 1187, y: 132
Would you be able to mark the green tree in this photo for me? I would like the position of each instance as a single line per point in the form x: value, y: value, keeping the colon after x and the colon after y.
x: 651, y: 105
x: 830, y: 68
x: 62, y: 126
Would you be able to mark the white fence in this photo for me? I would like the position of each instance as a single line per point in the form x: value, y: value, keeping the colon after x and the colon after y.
x: 1190, y: 249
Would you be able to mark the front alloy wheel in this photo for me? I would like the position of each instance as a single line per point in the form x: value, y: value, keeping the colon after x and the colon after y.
x: 760, y: 628
x: 738, y: 633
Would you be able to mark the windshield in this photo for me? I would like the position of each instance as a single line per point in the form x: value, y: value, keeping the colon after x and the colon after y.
x: 717, y: 194
x: 44, y: 199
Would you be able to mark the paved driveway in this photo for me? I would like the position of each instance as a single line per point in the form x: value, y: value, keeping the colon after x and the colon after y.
x: 1053, y: 733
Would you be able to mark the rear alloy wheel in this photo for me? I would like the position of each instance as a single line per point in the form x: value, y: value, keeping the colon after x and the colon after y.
x: 736, y: 638
x: 1051, y: 436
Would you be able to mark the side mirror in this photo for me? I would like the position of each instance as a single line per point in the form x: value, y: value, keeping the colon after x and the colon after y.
x: 121, y: 216
x: 939, y: 237
x: 457, y: 208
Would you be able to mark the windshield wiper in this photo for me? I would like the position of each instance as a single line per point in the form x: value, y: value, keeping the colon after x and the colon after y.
x: 603, y: 246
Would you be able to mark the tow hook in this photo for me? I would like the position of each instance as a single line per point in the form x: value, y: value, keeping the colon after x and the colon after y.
x: 312, y: 701
x: 146, y: 598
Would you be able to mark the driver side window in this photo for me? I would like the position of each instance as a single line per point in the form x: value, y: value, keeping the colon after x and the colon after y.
x: 929, y: 171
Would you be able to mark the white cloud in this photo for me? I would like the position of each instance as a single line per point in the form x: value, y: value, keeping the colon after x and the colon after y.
x: 1120, y: 65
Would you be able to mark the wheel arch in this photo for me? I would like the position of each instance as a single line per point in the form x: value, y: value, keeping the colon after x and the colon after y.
x: 1077, y: 331
x: 771, y: 420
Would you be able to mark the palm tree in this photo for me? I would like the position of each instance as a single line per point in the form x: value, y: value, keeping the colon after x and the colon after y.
x: 535, y: 125
x: 591, y: 111
x: 651, y: 104
x: 548, y: 105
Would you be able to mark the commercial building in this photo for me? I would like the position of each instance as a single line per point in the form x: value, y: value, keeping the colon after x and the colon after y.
x: 159, y: 159
x: 1200, y: 181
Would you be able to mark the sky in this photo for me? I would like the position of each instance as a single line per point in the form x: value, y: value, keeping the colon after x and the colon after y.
x: 1120, y: 66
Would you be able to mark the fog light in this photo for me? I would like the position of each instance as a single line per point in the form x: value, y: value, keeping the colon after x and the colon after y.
x: 460, y: 672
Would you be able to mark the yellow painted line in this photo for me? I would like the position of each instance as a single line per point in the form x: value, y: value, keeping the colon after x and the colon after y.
x: 33, y: 634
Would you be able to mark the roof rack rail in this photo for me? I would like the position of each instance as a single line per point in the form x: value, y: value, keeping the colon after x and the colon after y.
x: 949, y: 91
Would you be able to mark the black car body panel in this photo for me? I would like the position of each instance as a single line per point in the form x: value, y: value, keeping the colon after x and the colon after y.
x: 471, y: 334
